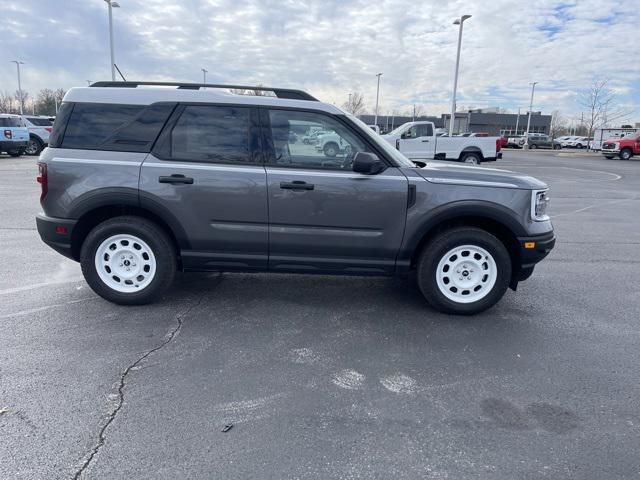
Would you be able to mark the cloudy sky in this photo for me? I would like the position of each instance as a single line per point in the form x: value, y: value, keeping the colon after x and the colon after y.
x: 333, y: 47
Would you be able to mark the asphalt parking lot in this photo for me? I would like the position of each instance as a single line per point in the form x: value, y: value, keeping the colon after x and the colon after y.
x: 326, y: 377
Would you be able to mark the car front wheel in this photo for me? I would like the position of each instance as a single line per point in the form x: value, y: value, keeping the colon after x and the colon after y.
x: 464, y: 271
x: 128, y: 260
x: 471, y: 158
x: 625, y: 154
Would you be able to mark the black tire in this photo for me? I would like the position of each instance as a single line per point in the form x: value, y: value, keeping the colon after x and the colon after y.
x: 625, y: 154
x: 533, y: 146
x: 472, y: 158
x: 331, y: 149
x: 15, y: 153
x: 436, y: 250
x: 34, y: 147
x: 557, y: 147
x: 579, y: 146
x: 156, y: 238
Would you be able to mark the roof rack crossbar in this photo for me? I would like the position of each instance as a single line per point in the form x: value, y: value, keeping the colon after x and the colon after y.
x: 279, y: 92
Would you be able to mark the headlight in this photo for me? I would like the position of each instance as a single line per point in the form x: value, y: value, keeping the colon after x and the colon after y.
x: 539, y: 203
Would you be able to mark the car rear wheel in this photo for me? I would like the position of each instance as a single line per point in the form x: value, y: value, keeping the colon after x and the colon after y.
x: 471, y: 158
x: 128, y: 260
x: 464, y: 271
x: 15, y: 153
x: 34, y: 147
x: 557, y: 147
x: 533, y: 146
x: 625, y: 154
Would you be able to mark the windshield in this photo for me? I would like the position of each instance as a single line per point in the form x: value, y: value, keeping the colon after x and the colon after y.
x: 397, y: 130
x: 398, y: 157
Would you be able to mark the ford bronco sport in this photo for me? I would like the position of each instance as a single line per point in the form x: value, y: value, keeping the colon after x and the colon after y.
x: 139, y: 182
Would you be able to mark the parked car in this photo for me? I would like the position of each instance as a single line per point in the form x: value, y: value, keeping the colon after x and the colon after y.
x: 516, y: 141
x: 577, y: 142
x: 39, y: 129
x: 537, y: 140
x: 417, y: 141
x: 15, y: 135
x: 188, y: 179
x: 624, y: 147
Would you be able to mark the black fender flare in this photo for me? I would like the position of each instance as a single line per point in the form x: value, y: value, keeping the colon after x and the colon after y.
x: 128, y: 197
x: 477, y: 209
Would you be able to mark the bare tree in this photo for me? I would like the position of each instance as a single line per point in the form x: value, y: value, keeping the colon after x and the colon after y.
x: 558, y: 124
x: 257, y: 93
x: 600, y: 104
x: 47, y: 101
x: 25, y: 99
x: 418, y: 111
x: 6, y: 102
x: 355, y: 105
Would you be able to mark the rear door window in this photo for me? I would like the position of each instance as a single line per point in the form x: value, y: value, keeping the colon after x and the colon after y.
x: 11, y: 122
x: 40, y: 122
x: 210, y: 133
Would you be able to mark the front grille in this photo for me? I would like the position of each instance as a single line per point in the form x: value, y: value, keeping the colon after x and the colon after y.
x: 608, y: 146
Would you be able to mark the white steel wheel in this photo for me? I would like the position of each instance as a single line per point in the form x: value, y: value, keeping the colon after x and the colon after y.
x: 466, y: 274
x: 125, y: 263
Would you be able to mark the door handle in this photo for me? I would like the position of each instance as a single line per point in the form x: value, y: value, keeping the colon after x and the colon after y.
x: 297, y: 185
x: 176, y: 178
x: 425, y: 141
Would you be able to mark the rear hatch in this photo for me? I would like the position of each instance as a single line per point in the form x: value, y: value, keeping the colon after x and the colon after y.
x: 13, y: 129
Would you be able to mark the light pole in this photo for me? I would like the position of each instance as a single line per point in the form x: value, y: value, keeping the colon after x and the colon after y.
x: 526, y: 138
x: 18, y: 63
x: 517, y: 121
x: 375, y: 122
x: 459, y: 21
x: 112, y: 5
x: 204, y: 76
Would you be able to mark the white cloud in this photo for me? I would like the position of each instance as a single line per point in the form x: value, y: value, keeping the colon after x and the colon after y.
x: 333, y: 47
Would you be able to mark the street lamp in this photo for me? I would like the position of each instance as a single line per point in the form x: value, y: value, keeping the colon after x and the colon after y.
x: 526, y: 138
x: 112, y: 5
x: 18, y: 63
x: 204, y: 76
x: 375, y: 122
x: 459, y: 21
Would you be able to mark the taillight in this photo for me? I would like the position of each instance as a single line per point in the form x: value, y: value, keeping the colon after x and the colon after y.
x: 43, y: 180
x: 498, y: 144
x: 8, y: 134
x: 48, y: 129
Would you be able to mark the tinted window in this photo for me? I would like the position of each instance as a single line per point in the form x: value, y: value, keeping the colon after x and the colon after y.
x: 211, y: 133
x: 55, y: 139
x: 421, y: 130
x: 40, y: 122
x: 333, y: 148
x: 139, y: 134
x: 91, y: 124
x: 10, y: 122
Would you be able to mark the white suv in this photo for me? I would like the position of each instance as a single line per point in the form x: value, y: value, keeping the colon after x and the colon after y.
x: 39, y: 129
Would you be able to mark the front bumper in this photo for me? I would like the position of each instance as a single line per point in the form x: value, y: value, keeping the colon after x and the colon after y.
x: 56, y: 232
x: 6, y: 146
x: 534, y: 249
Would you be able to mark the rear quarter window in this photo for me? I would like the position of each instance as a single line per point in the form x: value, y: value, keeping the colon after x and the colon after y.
x: 11, y: 122
x: 90, y: 124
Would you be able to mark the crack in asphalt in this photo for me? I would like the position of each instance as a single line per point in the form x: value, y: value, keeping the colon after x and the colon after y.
x: 179, y: 318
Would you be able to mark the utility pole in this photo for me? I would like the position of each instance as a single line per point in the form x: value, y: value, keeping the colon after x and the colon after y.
x: 458, y: 21
x: 18, y: 63
x: 526, y: 138
x: 375, y: 122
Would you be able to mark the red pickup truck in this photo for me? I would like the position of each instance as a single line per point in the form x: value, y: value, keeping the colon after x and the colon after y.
x: 624, y: 147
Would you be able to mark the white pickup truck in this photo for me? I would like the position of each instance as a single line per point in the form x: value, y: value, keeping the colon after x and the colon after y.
x: 418, y: 141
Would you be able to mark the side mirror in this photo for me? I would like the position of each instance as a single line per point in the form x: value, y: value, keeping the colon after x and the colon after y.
x: 405, y: 134
x: 368, y: 163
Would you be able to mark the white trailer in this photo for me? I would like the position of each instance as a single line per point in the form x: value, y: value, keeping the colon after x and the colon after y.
x: 602, y: 134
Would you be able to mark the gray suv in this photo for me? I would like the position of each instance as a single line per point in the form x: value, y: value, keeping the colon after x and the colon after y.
x: 139, y: 182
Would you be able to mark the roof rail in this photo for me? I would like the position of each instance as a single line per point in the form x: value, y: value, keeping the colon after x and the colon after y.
x: 279, y: 92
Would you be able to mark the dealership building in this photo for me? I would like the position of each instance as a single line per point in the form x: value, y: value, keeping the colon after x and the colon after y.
x: 488, y: 121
